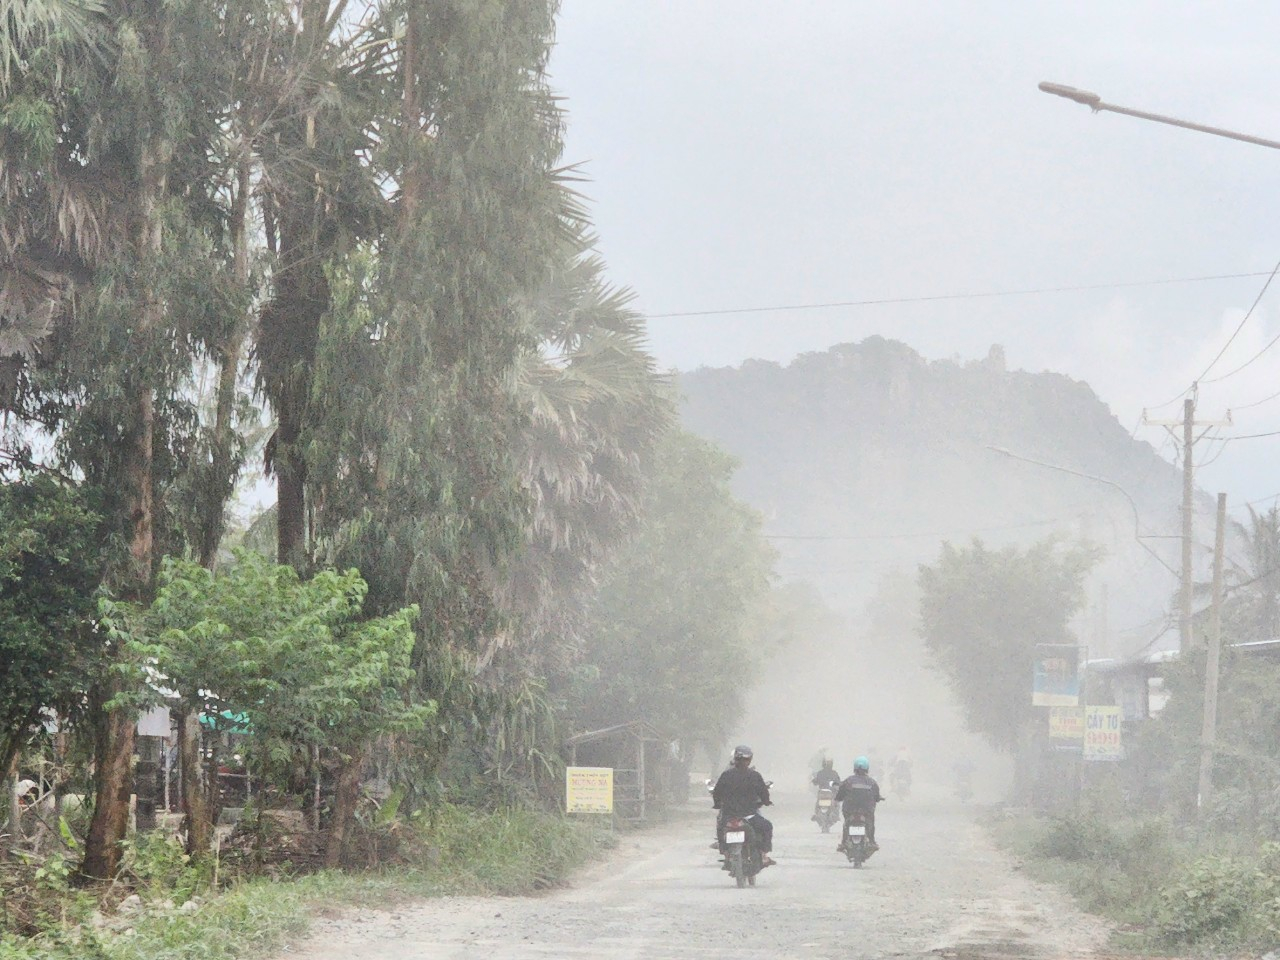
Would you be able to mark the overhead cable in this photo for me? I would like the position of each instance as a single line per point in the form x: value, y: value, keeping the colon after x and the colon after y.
x: 909, y: 536
x: 1235, y: 333
x: 982, y: 295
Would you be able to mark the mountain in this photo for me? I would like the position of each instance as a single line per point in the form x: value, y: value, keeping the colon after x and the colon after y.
x: 863, y: 459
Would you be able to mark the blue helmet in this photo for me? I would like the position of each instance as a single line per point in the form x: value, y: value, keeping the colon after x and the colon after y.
x: 861, y: 765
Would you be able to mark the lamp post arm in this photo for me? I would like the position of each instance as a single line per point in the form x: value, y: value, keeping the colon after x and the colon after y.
x: 1187, y: 124
x: 1097, y: 105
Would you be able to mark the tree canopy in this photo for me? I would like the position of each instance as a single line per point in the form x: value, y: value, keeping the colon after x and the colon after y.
x: 983, y: 611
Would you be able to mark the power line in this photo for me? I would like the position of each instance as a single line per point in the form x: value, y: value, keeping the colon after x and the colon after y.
x: 984, y: 295
x: 909, y: 536
x: 1274, y: 496
x: 1256, y: 403
x: 1251, y: 436
x: 1239, y: 327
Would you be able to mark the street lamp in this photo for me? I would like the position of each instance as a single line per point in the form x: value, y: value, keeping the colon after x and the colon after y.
x: 1097, y: 105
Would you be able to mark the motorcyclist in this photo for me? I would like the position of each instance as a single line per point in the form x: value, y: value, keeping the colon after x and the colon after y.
x: 900, y: 771
x: 741, y: 792
x: 860, y: 793
x: 825, y: 778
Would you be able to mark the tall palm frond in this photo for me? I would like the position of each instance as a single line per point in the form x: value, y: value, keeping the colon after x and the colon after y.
x: 596, y: 406
x: 26, y: 25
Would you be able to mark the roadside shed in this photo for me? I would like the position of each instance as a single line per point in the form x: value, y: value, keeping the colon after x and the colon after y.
x: 642, y: 761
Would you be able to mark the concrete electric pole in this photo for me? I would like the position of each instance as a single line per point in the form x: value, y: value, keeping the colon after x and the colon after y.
x: 1209, y: 729
x: 1187, y: 441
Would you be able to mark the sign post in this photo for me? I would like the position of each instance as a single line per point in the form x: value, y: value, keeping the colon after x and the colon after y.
x: 1102, y: 734
x: 1056, y: 677
x: 1066, y: 723
x: 588, y: 790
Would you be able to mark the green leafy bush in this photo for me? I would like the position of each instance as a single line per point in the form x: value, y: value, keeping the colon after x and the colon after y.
x: 1078, y: 839
x: 162, y: 870
x: 1217, y: 899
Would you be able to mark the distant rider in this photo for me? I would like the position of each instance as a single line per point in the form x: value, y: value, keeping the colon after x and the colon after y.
x: 826, y: 778
x: 900, y: 771
x: 741, y: 792
x: 860, y: 793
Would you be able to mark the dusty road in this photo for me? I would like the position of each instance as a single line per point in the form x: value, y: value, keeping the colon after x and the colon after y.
x: 936, y: 889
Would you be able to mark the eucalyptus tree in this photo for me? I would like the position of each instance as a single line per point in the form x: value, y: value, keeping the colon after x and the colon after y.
x: 413, y: 421
x: 113, y: 212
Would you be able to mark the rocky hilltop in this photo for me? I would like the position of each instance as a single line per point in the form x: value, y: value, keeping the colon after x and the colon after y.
x: 865, y: 457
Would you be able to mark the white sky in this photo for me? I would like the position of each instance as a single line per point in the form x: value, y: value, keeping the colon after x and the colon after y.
x: 747, y: 153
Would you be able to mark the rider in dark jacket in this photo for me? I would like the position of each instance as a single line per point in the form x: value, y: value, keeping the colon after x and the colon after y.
x: 741, y: 792
x: 825, y: 778
x: 860, y: 793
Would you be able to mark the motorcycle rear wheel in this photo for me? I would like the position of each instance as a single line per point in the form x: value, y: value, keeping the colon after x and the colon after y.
x: 737, y: 868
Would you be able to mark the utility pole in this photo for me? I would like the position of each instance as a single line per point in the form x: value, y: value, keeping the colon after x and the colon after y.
x: 1209, y: 731
x: 1188, y: 531
x: 1187, y: 441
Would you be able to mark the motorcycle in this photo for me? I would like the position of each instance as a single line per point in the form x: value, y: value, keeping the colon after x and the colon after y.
x: 827, y: 812
x: 900, y: 785
x: 742, y: 856
x: 857, y: 848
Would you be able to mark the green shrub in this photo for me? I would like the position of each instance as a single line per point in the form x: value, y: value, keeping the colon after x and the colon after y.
x: 1215, y: 899
x: 1078, y: 839
x: 162, y: 870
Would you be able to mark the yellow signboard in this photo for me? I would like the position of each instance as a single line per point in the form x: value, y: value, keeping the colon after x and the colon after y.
x: 1066, y: 723
x: 1102, y: 733
x: 588, y: 790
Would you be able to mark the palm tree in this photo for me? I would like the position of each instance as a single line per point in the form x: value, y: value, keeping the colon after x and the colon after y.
x: 53, y: 211
x: 1251, y: 610
x: 595, y: 406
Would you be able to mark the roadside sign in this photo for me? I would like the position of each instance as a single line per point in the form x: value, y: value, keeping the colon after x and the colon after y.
x: 588, y: 790
x: 1102, y: 733
x: 1056, y: 677
x: 1066, y: 723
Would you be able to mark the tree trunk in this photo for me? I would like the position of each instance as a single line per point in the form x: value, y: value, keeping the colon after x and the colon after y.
x: 346, y: 793
x: 114, y: 754
x: 291, y: 479
x: 113, y: 784
x: 195, y: 785
x: 13, y: 826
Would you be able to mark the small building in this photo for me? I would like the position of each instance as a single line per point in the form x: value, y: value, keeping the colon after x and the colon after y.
x: 646, y: 766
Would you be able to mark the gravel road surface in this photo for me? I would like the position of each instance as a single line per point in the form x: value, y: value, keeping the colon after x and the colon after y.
x: 938, y: 888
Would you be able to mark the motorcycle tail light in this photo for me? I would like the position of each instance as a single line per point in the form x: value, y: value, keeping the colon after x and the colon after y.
x: 734, y: 824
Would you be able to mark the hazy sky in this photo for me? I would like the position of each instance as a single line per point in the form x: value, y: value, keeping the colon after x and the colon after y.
x: 750, y: 154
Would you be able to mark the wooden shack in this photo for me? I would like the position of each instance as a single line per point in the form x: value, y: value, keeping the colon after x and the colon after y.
x: 643, y: 762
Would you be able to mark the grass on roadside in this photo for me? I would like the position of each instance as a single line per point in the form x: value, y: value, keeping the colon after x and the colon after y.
x: 463, y: 852
x: 1162, y: 889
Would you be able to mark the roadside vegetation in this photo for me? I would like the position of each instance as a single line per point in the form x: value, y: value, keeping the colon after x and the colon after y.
x: 339, y: 242
x: 1130, y: 839
x: 1164, y: 886
x: 166, y: 905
